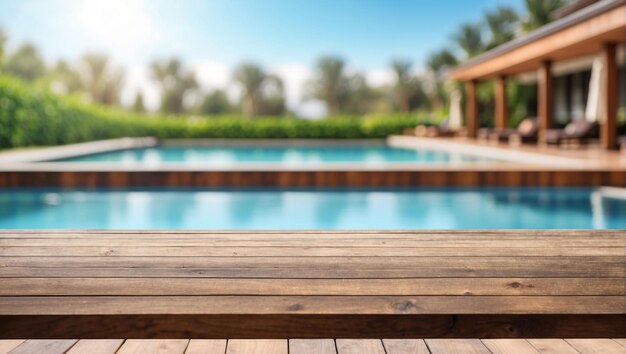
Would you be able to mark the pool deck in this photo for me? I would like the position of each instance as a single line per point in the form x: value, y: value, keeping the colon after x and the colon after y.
x: 312, y: 284
x: 316, y: 346
x: 519, y: 166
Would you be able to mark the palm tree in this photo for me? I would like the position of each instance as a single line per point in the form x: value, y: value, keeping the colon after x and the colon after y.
x: 539, y: 13
x: 26, y: 63
x: 138, y: 105
x: 502, y: 25
x: 329, y: 83
x: 101, y: 80
x: 176, y: 83
x: 405, y: 83
x: 470, y: 39
x: 255, y: 83
x: 438, y: 64
x: 3, y: 40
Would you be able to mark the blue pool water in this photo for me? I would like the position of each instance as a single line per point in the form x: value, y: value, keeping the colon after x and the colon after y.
x: 220, y: 155
x: 312, y: 209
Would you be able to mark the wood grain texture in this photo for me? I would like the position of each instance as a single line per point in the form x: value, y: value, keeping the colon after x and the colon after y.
x: 621, y: 341
x: 362, y: 346
x: 471, y: 177
x: 506, y: 346
x: 312, y: 346
x: 7, y: 345
x: 148, y: 346
x: 235, y: 286
x: 405, y: 346
x: 596, y: 346
x: 351, y: 284
x: 206, y: 346
x: 552, y: 346
x: 311, y: 305
x: 257, y: 346
x: 96, y: 346
x: 44, y: 346
x: 465, y: 346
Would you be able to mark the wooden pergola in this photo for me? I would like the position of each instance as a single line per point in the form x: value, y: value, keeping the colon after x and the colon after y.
x: 595, y: 30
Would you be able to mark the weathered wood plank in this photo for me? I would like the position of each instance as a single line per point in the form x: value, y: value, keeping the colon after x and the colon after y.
x: 206, y: 346
x: 509, y: 346
x: 305, y: 251
x: 115, y: 305
x: 621, y: 341
x: 257, y: 346
x: 96, y: 346
x: 152, y: 346
x: 235, y: 286
x: 405, y: 346
x: 465, y: 346
x: 32, y: 346
x: 361, y: 346
x: 312, y: 346
x: 312, y: 326
x: 7, y: 345
x: 383, y: 241
x: 593, y: 346
x: 314, y: 267
x: 552, y: 346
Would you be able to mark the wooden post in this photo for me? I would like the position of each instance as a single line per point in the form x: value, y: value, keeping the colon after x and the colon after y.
x: 545, y: 99
x: 501, y: 109
x: 608, y: 129
x: 471, y: 109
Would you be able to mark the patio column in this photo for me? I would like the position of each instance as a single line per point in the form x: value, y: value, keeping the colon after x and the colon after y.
x: 501, y: 108
x: 545, y: 99
x: 608, y: 129
x: 471, y: 108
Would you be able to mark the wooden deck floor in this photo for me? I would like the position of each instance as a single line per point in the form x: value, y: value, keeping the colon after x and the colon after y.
x: 315, y: 346
x: 431, y: 284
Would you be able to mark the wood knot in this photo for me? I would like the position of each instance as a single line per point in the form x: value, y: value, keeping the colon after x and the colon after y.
x: 518, y: 285
x: 405, y: 306
x: 295, y: 307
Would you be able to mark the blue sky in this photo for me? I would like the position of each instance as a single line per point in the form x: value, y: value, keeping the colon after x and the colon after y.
x: 212, y: 36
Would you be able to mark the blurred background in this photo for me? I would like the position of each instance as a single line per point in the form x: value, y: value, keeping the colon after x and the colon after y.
x: 117, y: 62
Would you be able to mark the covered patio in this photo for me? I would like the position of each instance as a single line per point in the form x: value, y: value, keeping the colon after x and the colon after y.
x: 580, y: 37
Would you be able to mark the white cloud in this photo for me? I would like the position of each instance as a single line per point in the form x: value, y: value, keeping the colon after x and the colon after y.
x: 294, y: 77
x: 138, y: 80
x: 379, y: 77
x: 122, y: 28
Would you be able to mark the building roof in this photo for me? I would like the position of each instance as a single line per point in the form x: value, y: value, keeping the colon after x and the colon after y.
x: 579, y: 33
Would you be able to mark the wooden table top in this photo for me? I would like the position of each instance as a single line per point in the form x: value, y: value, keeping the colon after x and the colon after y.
x: 516, y: 283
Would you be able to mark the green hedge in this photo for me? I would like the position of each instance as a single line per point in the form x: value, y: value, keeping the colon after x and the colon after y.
x: 30, y: 116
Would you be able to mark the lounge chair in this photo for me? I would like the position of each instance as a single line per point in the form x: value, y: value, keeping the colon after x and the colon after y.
x: 441, y: 130
x: 525, y: 132
x: 579, y: 131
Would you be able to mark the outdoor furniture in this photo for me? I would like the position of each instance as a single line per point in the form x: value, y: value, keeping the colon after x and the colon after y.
x: 577, y: 132
x: 441, y: 130
x: 525, y: 132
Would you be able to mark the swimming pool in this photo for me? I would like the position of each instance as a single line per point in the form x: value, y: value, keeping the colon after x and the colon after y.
x: 450, y: 208
x: 286, y: 154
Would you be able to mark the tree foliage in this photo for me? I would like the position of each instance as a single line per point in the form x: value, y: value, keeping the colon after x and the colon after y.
x: 539, y: 13
x: 175, y: 83
x: 26, y: 63
x: 260, y: 90
x: 503, y: 25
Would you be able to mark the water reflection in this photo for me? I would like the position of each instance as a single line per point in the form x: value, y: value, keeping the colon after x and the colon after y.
x: 324, y: 209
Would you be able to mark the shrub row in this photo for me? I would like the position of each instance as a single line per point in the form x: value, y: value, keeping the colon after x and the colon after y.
x: 31, y: 116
